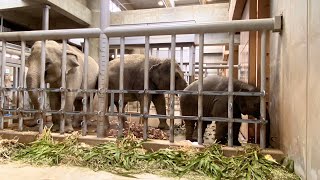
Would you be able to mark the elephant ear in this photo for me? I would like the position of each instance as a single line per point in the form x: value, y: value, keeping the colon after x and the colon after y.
x: 72, y: 59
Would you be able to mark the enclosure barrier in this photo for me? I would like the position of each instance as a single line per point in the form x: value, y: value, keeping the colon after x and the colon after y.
x: 104, y: 33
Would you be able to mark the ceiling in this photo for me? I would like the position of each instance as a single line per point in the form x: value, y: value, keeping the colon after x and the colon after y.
x: 148, y: 4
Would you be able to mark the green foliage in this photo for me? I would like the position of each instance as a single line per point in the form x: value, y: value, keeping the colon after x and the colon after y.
x: 127, y: 156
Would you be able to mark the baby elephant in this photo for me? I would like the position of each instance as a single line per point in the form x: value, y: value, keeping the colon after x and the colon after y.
x: 217, y: 106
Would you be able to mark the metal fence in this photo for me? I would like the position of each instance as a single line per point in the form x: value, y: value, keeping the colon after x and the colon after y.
x: 104, y: 33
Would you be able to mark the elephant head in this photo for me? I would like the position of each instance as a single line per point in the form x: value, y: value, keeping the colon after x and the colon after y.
x: 250, y: 105
x: 52, y: 66
x: 160, y: 76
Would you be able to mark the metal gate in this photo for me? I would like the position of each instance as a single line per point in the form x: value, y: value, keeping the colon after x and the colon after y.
x: 104, y: 33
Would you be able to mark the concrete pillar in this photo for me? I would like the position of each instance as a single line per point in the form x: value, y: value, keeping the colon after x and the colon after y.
x: 94, y: 6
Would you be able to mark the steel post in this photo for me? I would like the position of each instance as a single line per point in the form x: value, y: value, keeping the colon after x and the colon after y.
x: 200, y: 89
x: 42, y: 94
x: 103, y: 122
x: 121, y: 95
x: 3, y: 69
x: 146, y: 87
x: 263, y: 89
x: 85, y: 87
x: 21, y: 84
x: 230, y: 88
x: 172, y: 85
x: 63, y: 85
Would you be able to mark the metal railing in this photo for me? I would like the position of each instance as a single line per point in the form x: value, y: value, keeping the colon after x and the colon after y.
x: 104, y: 33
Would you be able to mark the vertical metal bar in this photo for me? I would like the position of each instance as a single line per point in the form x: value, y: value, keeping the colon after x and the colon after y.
x: 200, y: 89
x: 85, y: 86
x: 263, y: 89
x: 1, y: 24
x: 15, y: 85
x: 121, y: 95
x: 191, y: 63
x: 103, y: 83
x: 45, y: 26
x: 21, y: 83
x: 91, y: 102
x: 157, y: 53
x: 112, y: 102
x: 169, y: 52
x: 172, y: 85
x: 115, y: 53
x: 181, y: 58
x: 3, y: 69
x: 146, y: 87
x: 63, y: 85
x: 230, y: 88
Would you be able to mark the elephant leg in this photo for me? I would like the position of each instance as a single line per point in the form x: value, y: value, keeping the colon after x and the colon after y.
x: 70, y: 98
x: 55, y: 104
x: 77, y: 119
x: 160, y: 104
x: 142, y: 107
x: 222, y: 133
x: 122, y: 118
x: 190, y: 125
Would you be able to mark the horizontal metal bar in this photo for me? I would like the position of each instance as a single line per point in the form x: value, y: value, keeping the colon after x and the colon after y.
x: 151, y: 30
x: 215, y: 27
x: 217, y: 93
x: 220, y: 67
x: 52, y: 34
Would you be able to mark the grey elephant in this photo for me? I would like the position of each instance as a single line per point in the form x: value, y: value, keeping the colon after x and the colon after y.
x: 217, y: 106
x: 159, y: 79
x: 74, y: 80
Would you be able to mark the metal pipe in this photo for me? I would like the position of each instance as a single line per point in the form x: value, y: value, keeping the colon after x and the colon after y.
x: 52, y: 34
x: 85, y: 86
x: 200, y: 89
x: 63, y: 85
x: 221, y: 67
x: 181, y: 57
x: 115, y: 53
x: 103, y: 124
x: 146, y: 87
x: 230, y: 88
x: 216, y: 27
x: 1, y: 24
x: 172, y: 85
x: 157, y: 54
x: 42, y: 94
x: 121, y: 95
x: 198, y: 28
x: 21, y: 83
x: 3, y: 69
x: 263, y: 89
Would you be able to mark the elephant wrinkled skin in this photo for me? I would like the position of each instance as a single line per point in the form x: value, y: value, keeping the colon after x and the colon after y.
x: 217, y: 106
x: 74, y: 80
x: 159, y: 79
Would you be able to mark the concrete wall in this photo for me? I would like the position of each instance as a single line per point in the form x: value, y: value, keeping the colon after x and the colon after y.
x: 295, y: 88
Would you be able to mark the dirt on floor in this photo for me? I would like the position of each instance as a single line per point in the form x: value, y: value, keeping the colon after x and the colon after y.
x: 15, y: 171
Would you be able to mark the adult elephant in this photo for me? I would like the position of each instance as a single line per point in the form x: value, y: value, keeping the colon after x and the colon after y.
x: 74, y: 80
x: 217, y: 106
x: 159, y: 79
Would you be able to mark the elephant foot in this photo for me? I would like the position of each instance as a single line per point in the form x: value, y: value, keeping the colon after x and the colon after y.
x: 55, y: 128
x: 68, y: 129
x: 163, y: 126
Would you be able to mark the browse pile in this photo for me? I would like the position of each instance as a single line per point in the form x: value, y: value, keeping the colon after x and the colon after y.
x: 137, y: 130
x: 127, y: 156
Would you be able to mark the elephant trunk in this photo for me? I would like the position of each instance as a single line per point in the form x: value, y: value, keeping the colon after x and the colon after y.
x: 33, y: 81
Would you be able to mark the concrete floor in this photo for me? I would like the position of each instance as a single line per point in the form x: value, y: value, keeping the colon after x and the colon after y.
x: 15, y: 171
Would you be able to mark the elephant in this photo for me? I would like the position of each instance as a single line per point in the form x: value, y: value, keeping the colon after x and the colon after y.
x: 159, y: 79
x: 217, y: 106
x: 74, y: 80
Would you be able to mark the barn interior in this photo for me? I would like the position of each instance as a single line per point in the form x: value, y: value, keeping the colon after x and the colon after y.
x: 292, y: 94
